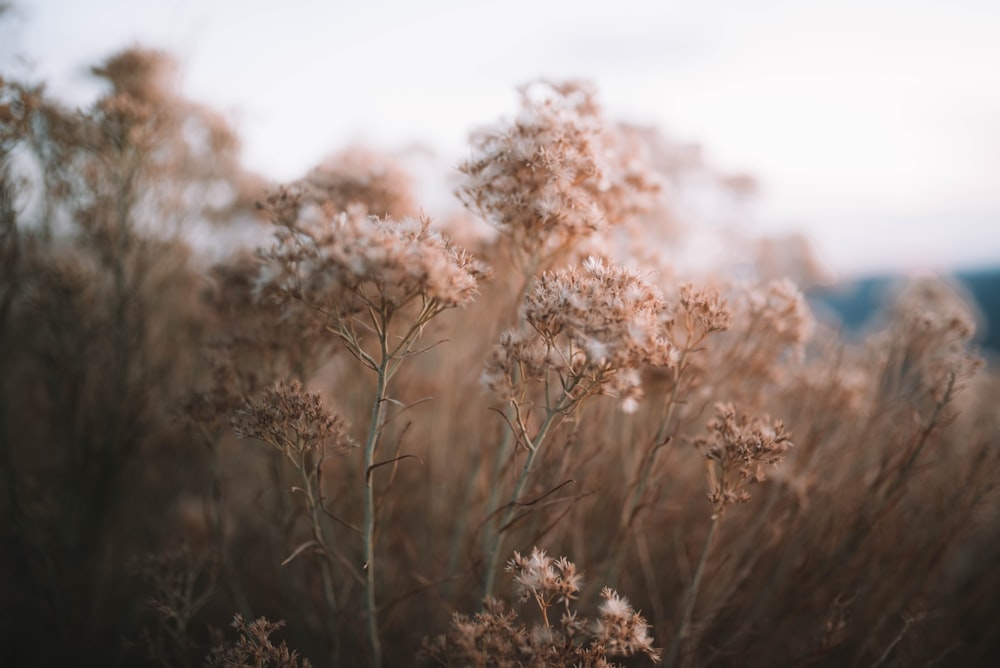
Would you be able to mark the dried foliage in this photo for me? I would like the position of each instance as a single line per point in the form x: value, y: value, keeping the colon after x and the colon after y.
x: 293, y: 422
x: 497, y: 637
x: 737, y: 449
x: 254, y: 648
x: 190, y: 401
x: 592, y: 326
x: 359, y: 178
x: 553, y: 176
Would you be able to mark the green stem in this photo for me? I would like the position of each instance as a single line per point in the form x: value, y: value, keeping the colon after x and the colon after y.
x: 692, y: 596
x: 368, y: 530
x: 533, y: 449
x: 315, y: 517
x: 503, y: 453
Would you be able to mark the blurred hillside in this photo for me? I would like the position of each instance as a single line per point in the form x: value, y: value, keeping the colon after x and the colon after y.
x: 859, y: 303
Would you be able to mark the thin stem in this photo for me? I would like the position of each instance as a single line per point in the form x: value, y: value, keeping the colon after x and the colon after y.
x: 692, y: 596
x: 315, y: 518
x: 368, y: 529
x: 503, y: 453
x: 533, y: 449
x: 646, y: 465
x: 661, y: 437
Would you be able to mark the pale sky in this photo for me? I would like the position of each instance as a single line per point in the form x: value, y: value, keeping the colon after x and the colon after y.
x: 873, y: 126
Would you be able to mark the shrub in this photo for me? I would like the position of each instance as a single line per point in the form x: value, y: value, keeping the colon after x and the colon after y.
x: 410, y: 412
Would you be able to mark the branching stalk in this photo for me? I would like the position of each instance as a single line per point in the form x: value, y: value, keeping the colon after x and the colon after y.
x: 368, y: 528
x: 533, y: 449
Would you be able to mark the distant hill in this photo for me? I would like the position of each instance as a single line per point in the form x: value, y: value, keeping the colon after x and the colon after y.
x: 854, y: 303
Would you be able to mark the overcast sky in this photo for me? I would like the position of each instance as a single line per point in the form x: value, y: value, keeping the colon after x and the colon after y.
x: 872, y: 125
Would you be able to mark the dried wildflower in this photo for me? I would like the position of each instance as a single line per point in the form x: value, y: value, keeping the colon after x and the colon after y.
x: 771, y: 324
x: 179, y: 583
x: 206, y: 410
x: 704, y: 311
x: 356, y: 262
x: 595, y: 326
x: 490, y: 638
x: 554, y: 175
x: 363, y: 273
x: 145, y: 74
x: 586, y: 330
x: 293, y: 422
x: 255, y: 648
x: 299, y: 426
x: 260, y: 351
x: 620, y: 629
x: 359, y: 177
x: 736, y: 450
x: 928, y: 340
x: 496, y: 637
x: 784, y: 312
x: 545, y: 579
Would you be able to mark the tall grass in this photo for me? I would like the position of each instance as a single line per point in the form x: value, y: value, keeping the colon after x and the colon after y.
x: 350, y: 423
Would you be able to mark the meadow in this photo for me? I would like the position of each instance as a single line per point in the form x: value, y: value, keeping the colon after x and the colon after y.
x: 255, y: 424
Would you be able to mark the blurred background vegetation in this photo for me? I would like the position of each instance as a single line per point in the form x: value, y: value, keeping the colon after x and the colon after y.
x: 135, y: 524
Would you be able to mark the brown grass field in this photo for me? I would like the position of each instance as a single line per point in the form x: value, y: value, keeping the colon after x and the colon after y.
x: 252, y: 425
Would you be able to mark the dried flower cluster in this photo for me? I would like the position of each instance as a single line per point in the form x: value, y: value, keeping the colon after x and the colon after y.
x: 180, y: 583
x: 255, y: 648
x: 358, y: 178
x: 207, y: 409
x: 545, y: 579
x: 703, y: 311
x: 781, y: 307
x: 736, y: 451
x: 876, y: 544
x: 356, y: 262
x: 495, y: 637
x: 293, y: 422
x: 771, y: 325
x: 620, y: 630
x: 595, y: 326
x: 553, y: 176
x: 929, y: 343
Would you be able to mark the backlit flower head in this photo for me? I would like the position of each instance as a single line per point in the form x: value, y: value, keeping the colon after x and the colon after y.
x: 557, y: 173
x: 355, y: 261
